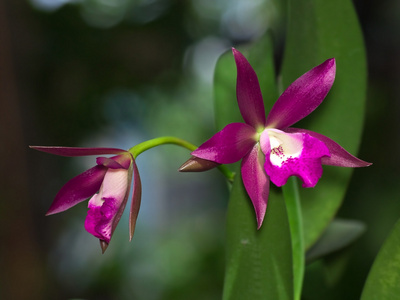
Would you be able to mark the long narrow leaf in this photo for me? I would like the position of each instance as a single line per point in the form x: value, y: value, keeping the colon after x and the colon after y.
x: 259, y: 262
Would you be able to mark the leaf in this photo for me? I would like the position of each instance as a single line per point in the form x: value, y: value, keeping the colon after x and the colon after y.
x: 314, y: 34
x: 338, y: 235
x: 259, y: 262
x: 383, y: 281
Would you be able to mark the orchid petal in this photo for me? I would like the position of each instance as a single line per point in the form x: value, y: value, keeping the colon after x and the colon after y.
x: 78, y: 189
x: 106, y: 207
x: 256, y: 182
x: 248, y: 92
x: 229, y: 145
x: 303, y: 96
x: 339, y: 156
x: 77, y: 151
x: 289, y: 154
x: 136, y: 200
x: 122, y: 161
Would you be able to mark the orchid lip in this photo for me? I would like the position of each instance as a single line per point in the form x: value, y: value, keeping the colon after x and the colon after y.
x: 283, y: 147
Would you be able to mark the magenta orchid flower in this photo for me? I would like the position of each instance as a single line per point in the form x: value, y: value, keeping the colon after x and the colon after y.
x: 107, y: 185
x: 270, y: 149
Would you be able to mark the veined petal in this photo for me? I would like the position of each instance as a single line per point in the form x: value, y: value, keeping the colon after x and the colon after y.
x: 78, y: 189
x: 229, y: 145
x: 256, y: 182
x: 303, y: 96
x: 288, y: 154
x: 339, y: 156
x: 106, y: 207
x: 77, y: 151
x: 136, y: 199
x: 248, y: 92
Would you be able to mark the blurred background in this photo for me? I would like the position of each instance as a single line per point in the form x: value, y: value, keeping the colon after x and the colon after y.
x: 114, y: 73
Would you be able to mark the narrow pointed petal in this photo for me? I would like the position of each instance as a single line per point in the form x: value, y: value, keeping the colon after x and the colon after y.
x: 248, y: 92
x: 339, y: 156
x: 136, y: 199
x: 78, y: 189
x: 76, y: 151
x: 195, y: 164
x: 229, y: 145
x: 106, y: 207
x: 256, y: 182
x: 303, y: 96
x: 292, y: 154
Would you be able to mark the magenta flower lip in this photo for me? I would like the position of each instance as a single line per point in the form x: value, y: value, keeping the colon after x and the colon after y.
x: 270, y: 149
x: 107, y: 185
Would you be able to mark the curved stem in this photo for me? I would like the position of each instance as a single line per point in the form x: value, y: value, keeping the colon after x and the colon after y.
x: 293, y: 207
x: 140, y: 148
x: 164, y: 140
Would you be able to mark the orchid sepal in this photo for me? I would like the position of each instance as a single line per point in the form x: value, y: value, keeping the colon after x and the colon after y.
x: 136, y: 200
x: 77, y: 151
x: 248, y: 92
x: 229, y: 145
x: 256, y: 182
x: 78, y: 189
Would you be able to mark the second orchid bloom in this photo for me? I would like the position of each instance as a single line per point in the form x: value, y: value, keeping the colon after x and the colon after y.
x: 107, y: 185
x: 270, y: 149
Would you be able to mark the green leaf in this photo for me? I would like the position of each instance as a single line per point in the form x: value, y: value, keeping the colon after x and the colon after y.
x: 259, y: 262
x: 315, y: 33
x: 338, y: 235
x: 383, y: 281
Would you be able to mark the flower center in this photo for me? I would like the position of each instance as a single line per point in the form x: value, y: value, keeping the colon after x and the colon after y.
x: 283, y: 146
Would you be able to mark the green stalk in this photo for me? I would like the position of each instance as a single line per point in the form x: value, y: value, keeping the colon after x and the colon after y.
x: 293, y: 207
x: 164, y: 140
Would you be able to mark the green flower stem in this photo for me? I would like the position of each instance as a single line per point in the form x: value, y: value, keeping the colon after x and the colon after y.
x: 293, y: 207
x: 140, y: 148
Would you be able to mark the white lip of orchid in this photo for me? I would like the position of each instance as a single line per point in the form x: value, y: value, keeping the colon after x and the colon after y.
x: 283, y: 146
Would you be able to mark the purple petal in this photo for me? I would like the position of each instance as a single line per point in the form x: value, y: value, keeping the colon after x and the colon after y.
x: 339, y: 156
x: 136, y: 199
x: 78, y: 189
x: 76, y: 151
x: 303, y: 96
x: 256, y: 182
x: 248, y: 92
x: 229, y: 145
x: 106, y: 207
x: 292, y: 154
x: 122, y: 161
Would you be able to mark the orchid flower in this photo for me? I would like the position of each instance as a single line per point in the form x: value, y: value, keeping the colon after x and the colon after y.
x: 107, y: 185
x: 270, y: 149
